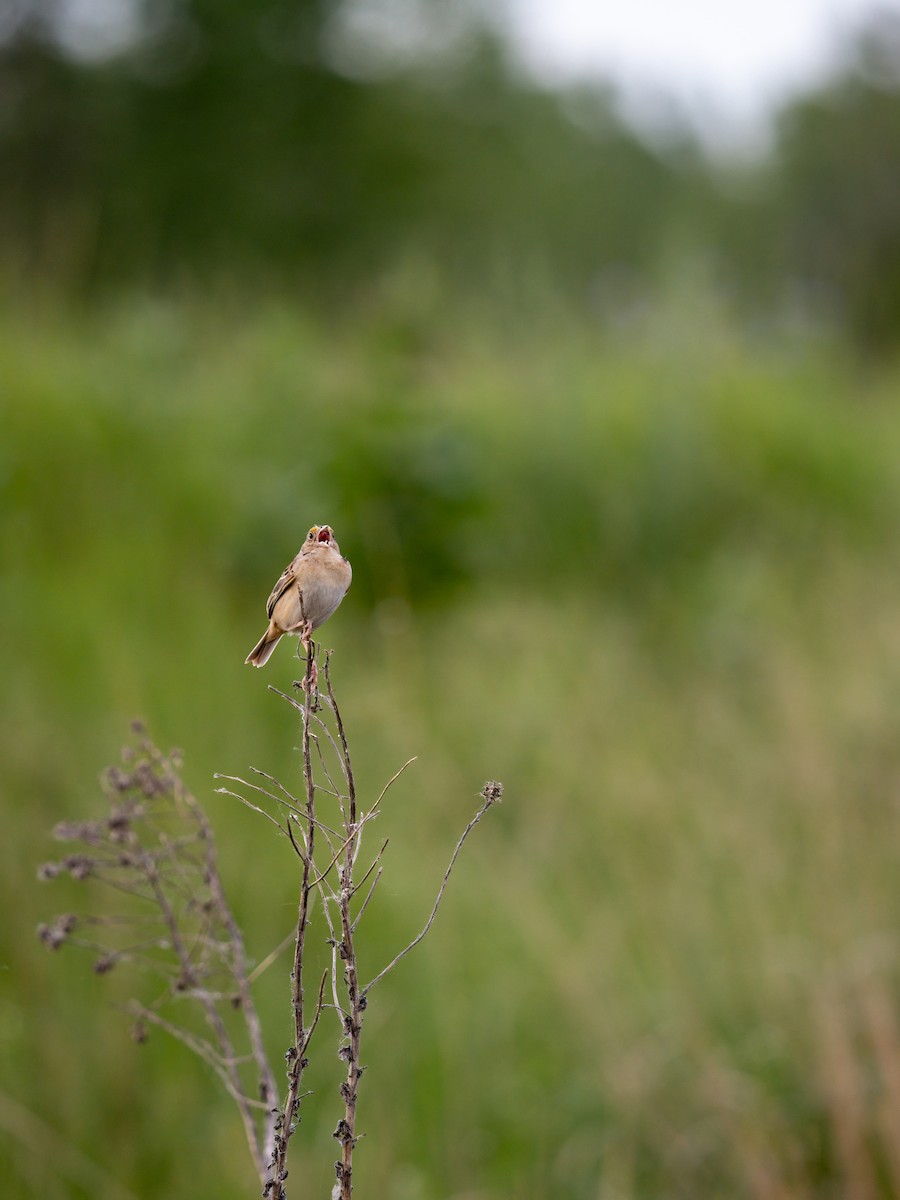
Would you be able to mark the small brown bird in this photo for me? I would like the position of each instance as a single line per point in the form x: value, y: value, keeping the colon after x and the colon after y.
x: 308, y: 591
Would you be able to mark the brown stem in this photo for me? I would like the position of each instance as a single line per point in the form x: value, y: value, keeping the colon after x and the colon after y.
x: 346, y: 1129
x: 213, y: 1017
x: 239, y: 970
x: 286, y: 1122
x: 356, y: 1003
x: 251, y: 1018
x: 491, y: 793
x: 345, y: 753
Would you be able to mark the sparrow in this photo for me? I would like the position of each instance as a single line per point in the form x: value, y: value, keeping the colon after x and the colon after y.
x: 308, y: 591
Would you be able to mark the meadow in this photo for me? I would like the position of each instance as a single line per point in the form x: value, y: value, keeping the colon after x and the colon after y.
x: 647, y: 577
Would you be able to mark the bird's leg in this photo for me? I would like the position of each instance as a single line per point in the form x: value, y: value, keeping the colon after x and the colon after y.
x: 305, y: 631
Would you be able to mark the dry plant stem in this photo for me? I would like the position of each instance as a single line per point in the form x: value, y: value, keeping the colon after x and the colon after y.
x: 227, y: 1055
x: 157, y: 848
x: 251, y: 1019
x: 352, y: 1019
x: 491, y: 793
x: 296, y: 1053
x: 345, y: 753
x: 215, y: 1021
x: 201, y: 1048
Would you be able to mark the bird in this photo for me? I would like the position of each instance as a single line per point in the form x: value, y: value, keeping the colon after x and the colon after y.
x: 308, y: 591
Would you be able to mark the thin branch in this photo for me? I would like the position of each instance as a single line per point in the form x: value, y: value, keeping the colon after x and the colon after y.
x: 290, y: 804
x: 158, y: 845
x: 332, y: 789
x: 319, y: 1006
x: 301, y: 854
x: 348, y: 766
x: 393, y: 779
x: 271, y: 957
x: 200, y: 1047
x: 248, y: 1008
x: 490, y: 799
x: 333, y: 942
x: 324, y: 727
x: 365, y: 903
x: 337, y: 854
x: 249, y: 804
x: 215, y: 1022
x: 296, y: 1056
x: 374, y: 863
x: 272, y: 779
x: 290, y: 699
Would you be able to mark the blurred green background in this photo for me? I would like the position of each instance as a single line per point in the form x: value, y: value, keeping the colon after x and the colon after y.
x: 609, y: 430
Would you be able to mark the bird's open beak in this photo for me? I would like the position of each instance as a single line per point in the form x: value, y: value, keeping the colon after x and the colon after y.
x: 324, y: 535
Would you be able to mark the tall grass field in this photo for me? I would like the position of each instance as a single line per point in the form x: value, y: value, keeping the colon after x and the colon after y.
x: 648, y: 579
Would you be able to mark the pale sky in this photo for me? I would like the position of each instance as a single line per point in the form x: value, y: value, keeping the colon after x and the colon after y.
x: 723, y: 59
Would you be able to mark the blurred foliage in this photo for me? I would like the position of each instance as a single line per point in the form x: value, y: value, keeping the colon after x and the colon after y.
x: 841, y: 154
x: 817, y: 231
x: 623, y: 521
x: 223, y: 142
x: 648, y: 581
x: 268, y: 143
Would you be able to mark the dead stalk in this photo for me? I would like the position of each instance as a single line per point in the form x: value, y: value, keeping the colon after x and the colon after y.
x: 352, y: 1018
x: 296, y: 1053
x: 157, y: 848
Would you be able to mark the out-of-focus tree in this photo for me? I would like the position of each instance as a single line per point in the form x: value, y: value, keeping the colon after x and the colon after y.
x: 294, y: 142
x: 239, y: 139
x: 816, y: 227
x: 840, y: 163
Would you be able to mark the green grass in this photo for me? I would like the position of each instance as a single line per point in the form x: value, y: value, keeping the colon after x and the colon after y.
x: 650, y: 583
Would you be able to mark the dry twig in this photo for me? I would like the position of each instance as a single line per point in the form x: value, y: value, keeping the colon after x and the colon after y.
x: 156, y: 847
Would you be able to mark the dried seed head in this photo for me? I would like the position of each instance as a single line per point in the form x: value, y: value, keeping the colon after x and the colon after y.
x: 54, y: 935
x: 116, y: 779
x: 492, y: 791
x: 79, y: 866
x: 147, y: 780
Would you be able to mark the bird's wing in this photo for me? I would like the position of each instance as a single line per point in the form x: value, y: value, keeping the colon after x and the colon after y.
x: 285, y: 579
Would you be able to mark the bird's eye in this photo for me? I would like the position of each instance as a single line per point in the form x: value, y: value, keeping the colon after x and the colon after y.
x: 310, y: 535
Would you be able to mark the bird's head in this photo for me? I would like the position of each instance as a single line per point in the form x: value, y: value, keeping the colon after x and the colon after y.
x: 320, y: 535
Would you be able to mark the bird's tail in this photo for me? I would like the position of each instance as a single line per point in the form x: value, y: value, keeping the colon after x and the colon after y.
x: 262, y: 651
